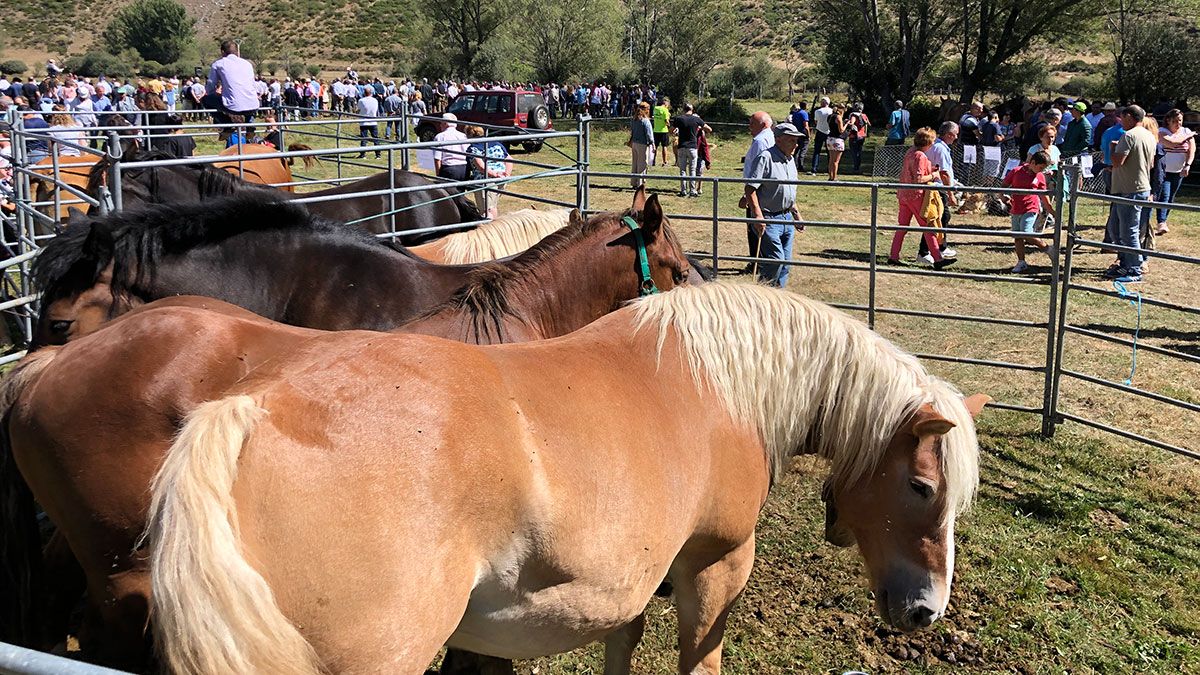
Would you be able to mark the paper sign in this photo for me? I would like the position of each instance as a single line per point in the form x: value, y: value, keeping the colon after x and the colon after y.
x: 968, y: 154
x: 1009, y: 166
x: 1085, y: 162
x: 991, y: 153
x: 425, y: 158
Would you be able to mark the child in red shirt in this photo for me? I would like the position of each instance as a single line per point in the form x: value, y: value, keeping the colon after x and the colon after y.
x: 1029, y: 176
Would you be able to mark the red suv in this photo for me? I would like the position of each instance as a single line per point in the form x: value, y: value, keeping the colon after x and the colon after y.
x: 522, y: 109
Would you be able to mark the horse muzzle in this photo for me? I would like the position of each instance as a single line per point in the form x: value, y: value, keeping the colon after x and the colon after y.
x: 909, y: 606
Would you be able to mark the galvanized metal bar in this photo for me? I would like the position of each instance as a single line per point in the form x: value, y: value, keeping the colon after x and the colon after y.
x: 948, y: 317
x: 1051, y: 337
x: 1141, y: 346
x: 1130, y: 435
x: 1186, y: 405
x: 16, y: 660
x: 981, y: 362
x: 1145, y: 300
x: 1141, y: 251
x: 716, y: 226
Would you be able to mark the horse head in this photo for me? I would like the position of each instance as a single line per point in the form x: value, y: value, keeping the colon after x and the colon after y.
x: 902, y: 516
x: 669, y: 266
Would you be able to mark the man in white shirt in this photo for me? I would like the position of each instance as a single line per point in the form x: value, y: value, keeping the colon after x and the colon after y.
x: 450, y: 161
x: 275, y: 91
x: 230, y: 86
x: 368, y: 107
x: 821, y: 124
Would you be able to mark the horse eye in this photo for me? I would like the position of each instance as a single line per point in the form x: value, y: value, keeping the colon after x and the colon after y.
x: 925, y: 490
x: 60, y: 326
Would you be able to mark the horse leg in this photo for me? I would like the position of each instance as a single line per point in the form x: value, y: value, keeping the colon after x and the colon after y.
x: 619, y: 646
x: 458, y: 662
x: 65, y: 586
x: 114, y: 631
x: 704, y: 594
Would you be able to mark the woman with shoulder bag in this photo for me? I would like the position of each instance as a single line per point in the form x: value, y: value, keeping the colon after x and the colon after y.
x: 856, y: 134
x: 641, y: 142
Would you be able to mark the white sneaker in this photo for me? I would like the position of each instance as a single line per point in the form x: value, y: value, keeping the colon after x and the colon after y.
x: 1020, y: 267
x: 949, y: 253
x: 927, y: 259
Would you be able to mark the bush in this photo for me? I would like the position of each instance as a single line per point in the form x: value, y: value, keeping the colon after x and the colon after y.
x: 96, y: 63
x: 924, y: 111
x: 13, y: 67
x: 313, y: 70
x: 270, y: 67
x: 295, y: 70
x: 157, y: 29
x: 721, y: 109
x: 1091, y: 86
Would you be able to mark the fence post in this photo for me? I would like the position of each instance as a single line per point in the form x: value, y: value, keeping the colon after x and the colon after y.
x: 1058, y: 315
x: 586, y: 162
x: 114, y: 170
x: 579, y: 164
x: 716, y: 216
x: 391, y: 189
x: 26, y: 225
x: 404, y: 135
x: 874, y: 253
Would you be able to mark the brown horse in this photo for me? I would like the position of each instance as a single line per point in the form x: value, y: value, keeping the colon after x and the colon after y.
x: 366, y: 499
x: 73, y: 171
x: 91, y: 475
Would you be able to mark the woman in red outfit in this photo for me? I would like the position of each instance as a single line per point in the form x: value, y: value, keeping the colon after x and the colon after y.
x: 917, y: 170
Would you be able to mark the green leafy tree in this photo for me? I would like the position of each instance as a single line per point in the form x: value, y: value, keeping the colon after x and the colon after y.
x: 158, y: 29
x: 462, y: 27
x: 553, y: 47
x: 676, y: 43
x: 1158, y: 58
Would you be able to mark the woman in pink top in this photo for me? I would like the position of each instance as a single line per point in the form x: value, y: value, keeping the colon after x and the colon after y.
x: 1179, y: 146
x: 917, y: 170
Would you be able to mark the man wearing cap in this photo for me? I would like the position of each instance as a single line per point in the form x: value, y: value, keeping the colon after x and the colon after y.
x: 1108, y: 121
x: 768, y: 198
x: 450, y: 161
x: 1079, y: 133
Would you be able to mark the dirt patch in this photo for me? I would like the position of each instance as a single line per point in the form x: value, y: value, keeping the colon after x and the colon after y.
x: 1107, y: 520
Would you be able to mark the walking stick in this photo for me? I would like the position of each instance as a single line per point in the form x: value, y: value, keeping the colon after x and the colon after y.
x: 757, y: 248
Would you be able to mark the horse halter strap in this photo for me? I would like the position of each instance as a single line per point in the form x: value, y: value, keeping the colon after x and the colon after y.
x: 647, y: 286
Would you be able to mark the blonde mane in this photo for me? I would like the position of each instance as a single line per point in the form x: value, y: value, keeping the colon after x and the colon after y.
x: 507, y: 235
x: 810, y: 379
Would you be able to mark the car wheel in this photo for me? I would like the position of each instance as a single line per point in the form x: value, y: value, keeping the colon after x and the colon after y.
x: 426, y: 133
x: 539, y: 118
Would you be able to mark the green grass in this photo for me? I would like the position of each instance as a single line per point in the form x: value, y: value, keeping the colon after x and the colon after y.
x: 1082, y: 551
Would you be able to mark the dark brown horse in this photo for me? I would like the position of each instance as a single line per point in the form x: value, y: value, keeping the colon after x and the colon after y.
x: 127, y: 388
x: 188, y: 183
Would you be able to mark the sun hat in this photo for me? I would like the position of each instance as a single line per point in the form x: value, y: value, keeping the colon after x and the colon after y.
x: 1110, y: 106
x: 786, y: 129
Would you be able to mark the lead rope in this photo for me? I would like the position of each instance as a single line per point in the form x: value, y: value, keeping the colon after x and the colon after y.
x: 1135, y: 299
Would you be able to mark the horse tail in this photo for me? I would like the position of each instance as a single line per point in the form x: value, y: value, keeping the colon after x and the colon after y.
x: 23, y: 571
x: 309, y: 161
x: 213, y: 612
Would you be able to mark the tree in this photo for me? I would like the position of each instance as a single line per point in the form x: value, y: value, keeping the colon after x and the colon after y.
x: 462, y: 27
x: 676, y: 43
x: 253, y: 44
x: 883, y: 48
x: 1157, y: 49
x: 158, y: 29
x: 991, y: 33
x: 555, y: 48
x: 1131, y: 22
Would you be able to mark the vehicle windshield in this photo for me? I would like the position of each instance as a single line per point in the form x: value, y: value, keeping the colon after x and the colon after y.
x: 463, y: 103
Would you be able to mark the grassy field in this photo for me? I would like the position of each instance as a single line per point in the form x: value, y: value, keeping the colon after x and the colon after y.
x: 1081, y: 554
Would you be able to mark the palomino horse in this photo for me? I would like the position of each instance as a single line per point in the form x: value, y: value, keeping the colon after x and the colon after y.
x: 73, y: 171
x: 414, y: 210
x: 573, y: 277
x: 272, y: 171
x: 506, y: 235
x: 365, y: 499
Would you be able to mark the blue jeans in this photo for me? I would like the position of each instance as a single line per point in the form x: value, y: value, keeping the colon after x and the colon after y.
x: 1168, y: 194
x: 1125, y: 225
x: 776, y: 244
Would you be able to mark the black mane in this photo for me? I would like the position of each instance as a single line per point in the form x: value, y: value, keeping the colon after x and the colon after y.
x: 133, y: 241
x: 211, y: 180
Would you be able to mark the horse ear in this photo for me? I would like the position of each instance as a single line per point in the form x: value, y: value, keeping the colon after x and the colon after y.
x: 76, y: 217
x: 639, y: 198
x: 575, y: 219
x: 652, y: 217
x: 929, y: 422
x: 975, y: 403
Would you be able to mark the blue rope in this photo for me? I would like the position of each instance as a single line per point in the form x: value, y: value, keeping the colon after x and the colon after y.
x: 1135, y: 299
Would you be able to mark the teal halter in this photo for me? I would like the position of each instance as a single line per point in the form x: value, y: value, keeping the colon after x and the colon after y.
x: 647, y: 286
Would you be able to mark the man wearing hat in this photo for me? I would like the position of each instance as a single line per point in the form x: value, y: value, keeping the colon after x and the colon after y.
x: 1079, y: 133
x: 1109, y: 120
x: 768, y: 198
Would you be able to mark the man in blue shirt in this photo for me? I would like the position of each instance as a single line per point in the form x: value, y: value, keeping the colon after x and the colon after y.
x: 898, y: 125
x: 36, y: 147
x: 800, y: 119
x: 943, y: 170
x: 768, y: 197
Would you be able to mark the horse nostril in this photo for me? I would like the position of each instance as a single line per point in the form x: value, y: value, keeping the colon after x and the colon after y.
x: 922, y: 616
